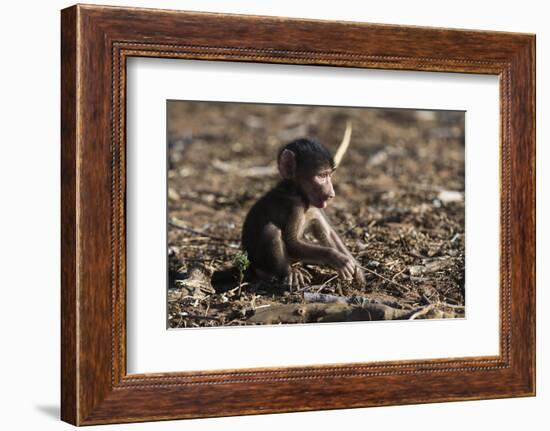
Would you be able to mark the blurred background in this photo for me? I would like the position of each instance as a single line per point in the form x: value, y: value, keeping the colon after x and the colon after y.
x: 399, y: 203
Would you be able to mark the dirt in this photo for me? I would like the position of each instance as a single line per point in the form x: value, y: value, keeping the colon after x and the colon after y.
x: 399, y: 205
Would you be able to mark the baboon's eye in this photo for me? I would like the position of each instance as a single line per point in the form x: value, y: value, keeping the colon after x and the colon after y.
x: 325, y: 175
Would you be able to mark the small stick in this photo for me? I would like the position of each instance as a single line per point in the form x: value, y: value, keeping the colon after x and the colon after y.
x: 446, y: 304
x: 326, y: 282
x: 195, y: 316
x: 407, y: 289
x: 343, y: 145
x: 426, y: 299
x: 179, y: 225
x: 399, y: 273
x: 421, y: 312
x: 237, y: 288
x: 319, y: 286
x: 181, y: 297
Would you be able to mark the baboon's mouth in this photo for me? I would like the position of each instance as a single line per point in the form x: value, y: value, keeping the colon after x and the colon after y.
x: 323, y: 203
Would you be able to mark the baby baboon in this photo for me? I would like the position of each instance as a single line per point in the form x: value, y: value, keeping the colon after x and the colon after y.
x: 274, y: 229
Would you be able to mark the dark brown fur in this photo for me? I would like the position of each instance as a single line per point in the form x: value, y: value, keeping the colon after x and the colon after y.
x: 275, y: 227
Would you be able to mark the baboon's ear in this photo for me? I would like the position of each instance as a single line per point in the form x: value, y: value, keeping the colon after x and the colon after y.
x: 287, y: 164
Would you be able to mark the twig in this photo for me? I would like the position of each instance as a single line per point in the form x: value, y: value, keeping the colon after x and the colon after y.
x: 319, y: 287
x: 422, y: 311
x: 237, y: 288
x: 325, y: 298
x: 343, y: 145
x: 326, y: 282
x: 195, y: 316
x: 446, y: 304
x: 407, y: 289
x: 399, y: 273
x: 179, y: 225
x: 426, y: 299
x: 181, y: 297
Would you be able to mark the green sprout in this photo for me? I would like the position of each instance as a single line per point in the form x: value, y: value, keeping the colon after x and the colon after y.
x: 242, y: 263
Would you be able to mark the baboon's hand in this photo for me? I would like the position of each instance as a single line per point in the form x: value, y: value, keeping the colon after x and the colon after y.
x: 343, y: 264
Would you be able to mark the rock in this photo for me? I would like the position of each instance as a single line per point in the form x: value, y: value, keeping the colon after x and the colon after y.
x: 173, y: 194
x: 448, y: 196
x: 197, y: 284
x: 379, y: 158
x: 428, y: 268
x: 416, y: 270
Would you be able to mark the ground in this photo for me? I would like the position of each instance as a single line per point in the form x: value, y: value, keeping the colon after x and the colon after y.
x: 399, y: 208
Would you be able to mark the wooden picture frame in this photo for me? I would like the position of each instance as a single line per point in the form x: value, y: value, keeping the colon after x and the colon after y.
x: 95, y: 43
